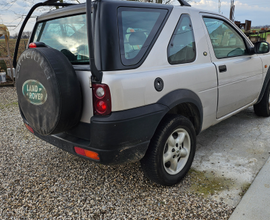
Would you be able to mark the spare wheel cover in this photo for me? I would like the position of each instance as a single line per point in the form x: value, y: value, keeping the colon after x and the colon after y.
x: 49, y: 92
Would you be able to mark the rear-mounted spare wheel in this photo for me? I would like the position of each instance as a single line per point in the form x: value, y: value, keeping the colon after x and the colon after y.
x: 49, y: 92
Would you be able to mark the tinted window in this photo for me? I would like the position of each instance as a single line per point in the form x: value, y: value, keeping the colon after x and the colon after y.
x: 225, y: 40
x: 68, y: 35
x: 181, y: 48
x: 137, y: 28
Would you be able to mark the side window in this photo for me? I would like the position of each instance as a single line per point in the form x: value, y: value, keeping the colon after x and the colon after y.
x: 225, y: 40
x: 182, y: 48
x: 137, y: 29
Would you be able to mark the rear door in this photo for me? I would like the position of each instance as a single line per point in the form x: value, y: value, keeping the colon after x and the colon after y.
x: 239, y: 74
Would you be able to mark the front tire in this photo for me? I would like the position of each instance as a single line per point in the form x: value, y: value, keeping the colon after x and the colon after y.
x: 263, y: 107
x: 171, y: 151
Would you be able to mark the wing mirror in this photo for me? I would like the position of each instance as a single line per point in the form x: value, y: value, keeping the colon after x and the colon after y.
x: 262, y: 47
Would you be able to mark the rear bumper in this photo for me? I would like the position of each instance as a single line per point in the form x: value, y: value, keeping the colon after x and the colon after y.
x: 121, y: 137
x: 107, y: 156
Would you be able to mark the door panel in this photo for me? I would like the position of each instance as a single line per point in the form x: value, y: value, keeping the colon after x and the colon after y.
x: 239, y: 85
x: 239, y: 74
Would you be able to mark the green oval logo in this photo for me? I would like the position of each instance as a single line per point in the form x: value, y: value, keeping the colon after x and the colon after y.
x: 34, y: 92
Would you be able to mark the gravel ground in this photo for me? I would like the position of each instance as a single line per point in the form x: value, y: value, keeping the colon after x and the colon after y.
x: 40, y: 181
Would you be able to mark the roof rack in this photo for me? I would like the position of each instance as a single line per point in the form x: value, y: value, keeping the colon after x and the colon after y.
x: 184, y: 3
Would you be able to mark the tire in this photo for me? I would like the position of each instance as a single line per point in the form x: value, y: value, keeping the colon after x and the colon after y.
x: 263, y: 107
x: 171, y: 151
x: 49, y: 93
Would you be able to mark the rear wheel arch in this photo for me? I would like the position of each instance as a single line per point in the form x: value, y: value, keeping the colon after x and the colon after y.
x: 186, y: 103
x: 190, y: 111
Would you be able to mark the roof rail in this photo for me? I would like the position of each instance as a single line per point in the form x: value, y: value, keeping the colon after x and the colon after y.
x: 184, y: 3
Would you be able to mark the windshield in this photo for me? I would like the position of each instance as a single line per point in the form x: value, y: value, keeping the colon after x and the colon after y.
x: 68, y: 35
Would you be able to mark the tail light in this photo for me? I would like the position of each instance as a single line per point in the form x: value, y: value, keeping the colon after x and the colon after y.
x: 101, y: 99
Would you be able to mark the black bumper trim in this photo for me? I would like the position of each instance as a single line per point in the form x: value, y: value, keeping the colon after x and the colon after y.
x: 119, y: 138
x: 117, y: 156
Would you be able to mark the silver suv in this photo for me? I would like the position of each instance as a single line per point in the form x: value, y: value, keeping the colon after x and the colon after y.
x: 123, y: 81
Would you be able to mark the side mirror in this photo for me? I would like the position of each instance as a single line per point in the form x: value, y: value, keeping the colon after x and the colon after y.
x: 262, y: 47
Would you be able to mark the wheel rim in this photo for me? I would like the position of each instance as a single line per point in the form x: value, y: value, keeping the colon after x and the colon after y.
x: 176, y: 151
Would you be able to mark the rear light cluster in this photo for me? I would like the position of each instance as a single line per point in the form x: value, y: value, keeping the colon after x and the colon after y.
x: 101, y: 99
x: 87, y: 153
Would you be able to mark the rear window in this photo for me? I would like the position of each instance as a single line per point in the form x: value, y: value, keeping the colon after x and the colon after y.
x: 68, y: 35
x: 137, y: 29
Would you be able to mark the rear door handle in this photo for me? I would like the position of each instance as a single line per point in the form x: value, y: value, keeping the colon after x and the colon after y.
x: 222, y: 68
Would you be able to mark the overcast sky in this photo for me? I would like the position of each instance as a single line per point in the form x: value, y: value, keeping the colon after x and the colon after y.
x: 258, y: 11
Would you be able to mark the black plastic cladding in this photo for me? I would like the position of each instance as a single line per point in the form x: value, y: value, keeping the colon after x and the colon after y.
x: 265, y: 83
x: 109, y: 37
